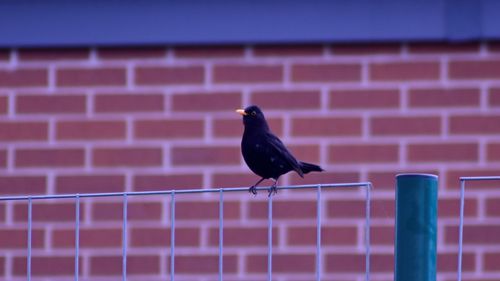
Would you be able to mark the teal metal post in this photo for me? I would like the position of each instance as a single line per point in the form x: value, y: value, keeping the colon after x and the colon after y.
x: 416, y: 227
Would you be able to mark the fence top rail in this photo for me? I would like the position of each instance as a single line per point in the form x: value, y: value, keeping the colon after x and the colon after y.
x: 489, y: 178
x: 181, y: 191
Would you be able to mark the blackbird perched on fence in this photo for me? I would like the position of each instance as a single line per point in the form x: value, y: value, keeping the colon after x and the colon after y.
x: 264, y: 152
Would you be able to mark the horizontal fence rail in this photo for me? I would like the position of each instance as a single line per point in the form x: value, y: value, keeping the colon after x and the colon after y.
x: 173, y: 194
x: 463, y: 180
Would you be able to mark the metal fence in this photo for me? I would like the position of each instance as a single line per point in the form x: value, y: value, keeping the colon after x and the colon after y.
x: 463, y: 180
x: 173, y: 195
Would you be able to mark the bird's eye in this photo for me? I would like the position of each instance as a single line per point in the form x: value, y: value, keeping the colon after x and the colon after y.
x: 253, y: 113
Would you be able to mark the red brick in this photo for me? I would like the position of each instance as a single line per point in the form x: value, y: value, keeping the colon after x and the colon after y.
x: 490, y: 262
x: 198, y: 102
x: 51, y: 104
x: 167, y: 182
x: 46, y: 212
x: 3, y: 158
x: 130, y: 53
x: 136, y: 265
x: 380, y: 208
x: 168, y: 129
x: 19, y: 78
x: 453, y: 178
x: 364, y: 99
x: 22, y: 185
x: 18, y: 238
x: 443, y: 152
x: 404, y: 71
x: 346, y: 209
x: 447, y: 262
x: 89, y: 238
x: 493, y: 207
x: 236, y: 179
x: 89, y: 183
x: 304, y: 152
x: 74, y: 77
x: 475, y: 124
x: 493, y: 151
x: 387, y: 179
x: 439, y: 98
x: 162, y: 75
x: 363, y: 153
x: 49, y: 266
x: 366, y: 49
x: 289, y: 210
x: 382, y: 235
x: 2, y: 212
x: 4, y: 102
x: 337, y: 235
x: 49, y: 157
x: 233, y: 127
x: 282, y: 263
x: 326, y: 72
x: 405, y: 126
x: 53, y: 54
x: 204, y: 210
x: 494, y: 97
x: 442, y: 48
x: 247, y: 73
x: 160, y: 237
x: 326, y: 126
x: 23, y: 131
x: 126, y: 103
x: 127, y: 157
x: 205, y: 155
x: 204, y: 264
x: 136, y: 211
x: 325, y: 177
x: 287, y: 50
x: 90, y: 130
x: 450, y: 207
x: 474, y: 69
x: 208, y: 52
x: 242, y: 236
x: 483, y: 234
x: 344, y: 263
x: 286, y: 100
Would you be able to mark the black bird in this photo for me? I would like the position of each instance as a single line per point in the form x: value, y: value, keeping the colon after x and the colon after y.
x: 264, y: 152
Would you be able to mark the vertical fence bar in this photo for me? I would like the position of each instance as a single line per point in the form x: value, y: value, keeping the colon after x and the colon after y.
x: 318, y: 233
x: 415, y: 248
x: 124, y: 238
x: 367, y: 230
x: 270, y: 239
x: 461, y: 229
x: 30, y: 222
x: 172, y: 235
x: 221, y: 233
x: 77, y: 235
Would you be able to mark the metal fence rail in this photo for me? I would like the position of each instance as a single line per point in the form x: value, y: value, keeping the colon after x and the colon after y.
x: 173, y: 194
x: 463, y: 180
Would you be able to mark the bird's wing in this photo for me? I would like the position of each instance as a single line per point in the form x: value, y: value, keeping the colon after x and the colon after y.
x: 283, y: 153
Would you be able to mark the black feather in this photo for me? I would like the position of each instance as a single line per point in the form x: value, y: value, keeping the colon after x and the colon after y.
x: 264, y: 153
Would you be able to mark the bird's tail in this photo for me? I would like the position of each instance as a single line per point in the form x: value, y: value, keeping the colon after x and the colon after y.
x: 307, y: 167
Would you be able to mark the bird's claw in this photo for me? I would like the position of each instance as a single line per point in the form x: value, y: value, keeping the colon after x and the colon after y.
x: 272, y: 190
x: 253, y: 190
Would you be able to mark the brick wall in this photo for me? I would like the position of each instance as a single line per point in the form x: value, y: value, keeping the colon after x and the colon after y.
x: 134, y: 119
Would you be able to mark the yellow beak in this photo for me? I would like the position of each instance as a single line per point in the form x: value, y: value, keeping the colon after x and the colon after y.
x: 241, y: 111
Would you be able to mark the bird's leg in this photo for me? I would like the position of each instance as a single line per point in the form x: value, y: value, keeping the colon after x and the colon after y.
x: 253, y: 189
x: 273, y: 189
